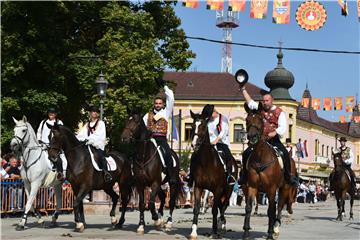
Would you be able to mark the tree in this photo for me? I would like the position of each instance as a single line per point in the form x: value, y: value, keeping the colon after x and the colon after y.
x: 52, y: 53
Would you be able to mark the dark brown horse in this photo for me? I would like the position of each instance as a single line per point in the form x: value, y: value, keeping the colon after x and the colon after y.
x: 84, y: 178
x: 147, y: 169
x: 264, y: 170
x: 207, y: 173
x: 341, y: 184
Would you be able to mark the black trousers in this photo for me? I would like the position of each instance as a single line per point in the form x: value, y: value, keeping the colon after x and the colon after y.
x: 166, y: 150
x: 275, y: 141
x: 103, y: 163
x: 229, y: 159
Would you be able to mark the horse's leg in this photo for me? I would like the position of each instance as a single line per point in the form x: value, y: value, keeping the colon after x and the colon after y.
x: 251, y: 195
x: 115, y: 198
x: 141, y: 227
x: 283, y: 197
x: 271, y: 212
x: 125, y: 191
x: 257, y: 203
x: 351, y: 206
x: 174, y: 189
x: 222, y: 207
x: 338, y: 203
x: 154, y: 190
x: 32, y: 189
x: 79, y: 209
x: 162, y: 197
x: 197, y: 198
x: 58, y: 195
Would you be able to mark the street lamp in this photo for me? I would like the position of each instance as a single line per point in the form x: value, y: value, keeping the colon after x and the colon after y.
x: 101, y: 84
x: 242, y: 135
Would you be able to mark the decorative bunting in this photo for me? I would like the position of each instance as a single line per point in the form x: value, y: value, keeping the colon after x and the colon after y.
x: 344, y: 7
x: 311, y: 15
x: 215, y: 5
x: 259, y: 9
x: 350, y: 103
x: 342, y: 119
x: 358, y: 8
x: 338, y: 103
x: 191, y: 3
x: 305, y: 102
x: 281, y: 11
x: 327, y: 104
x: 315, y: 104
x: 357, y: 119
x: 237, y: 5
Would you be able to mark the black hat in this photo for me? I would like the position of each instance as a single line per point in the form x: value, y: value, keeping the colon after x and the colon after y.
x: 288, y: 140
x: 51, y: 110
x: 207, y: 111
x: 342, y: 139
x: 94, y: 109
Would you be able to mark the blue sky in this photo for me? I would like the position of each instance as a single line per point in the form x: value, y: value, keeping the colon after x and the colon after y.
x: 327, y: 75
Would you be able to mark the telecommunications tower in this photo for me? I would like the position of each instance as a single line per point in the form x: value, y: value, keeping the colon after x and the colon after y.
x: 227, y: 20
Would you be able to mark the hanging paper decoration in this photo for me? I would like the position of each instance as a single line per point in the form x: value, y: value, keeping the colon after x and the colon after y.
x: 344, y: 7
x: 311, y: 15
x: 338, y: 103
x: 327, y: 104
x: 357, y: 119
x: 191, y: 3
x: 259, y: 9
x: 342, y: 119
x: 215, y: 5
x: 237, y: 5
x: 315, y: 104
x: 281, y: 11
x: 358, y: 7
x: 305, y: 102
x: 350, y: 103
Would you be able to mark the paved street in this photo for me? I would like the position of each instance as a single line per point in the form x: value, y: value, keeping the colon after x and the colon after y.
x: 309, y: 221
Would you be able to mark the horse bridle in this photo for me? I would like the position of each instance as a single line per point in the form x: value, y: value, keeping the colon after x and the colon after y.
x: 22, y: 139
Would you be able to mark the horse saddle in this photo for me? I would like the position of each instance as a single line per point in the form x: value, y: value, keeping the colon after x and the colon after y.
x: 111, y: 164
x: 279, y: 156
x: 161, y: 154
x: 221, y: 157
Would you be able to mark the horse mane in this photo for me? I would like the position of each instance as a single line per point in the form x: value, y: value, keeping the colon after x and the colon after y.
x: 70, y: 134
x: 32, y: 132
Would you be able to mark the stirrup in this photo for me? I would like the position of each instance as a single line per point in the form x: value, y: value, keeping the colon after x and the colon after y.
x: 107, y: 176
x: 60, y: 176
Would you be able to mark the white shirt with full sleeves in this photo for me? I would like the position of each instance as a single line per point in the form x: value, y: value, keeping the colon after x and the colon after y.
x: 43, y: 131
x: 282, y: 123
x: 224, y: 133
x: 97, y: 138
x: 350, y: 160
x: 165, y: 112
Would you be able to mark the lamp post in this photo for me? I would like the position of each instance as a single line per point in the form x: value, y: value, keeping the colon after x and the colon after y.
x: 101, y: 84
x: 242, y: 134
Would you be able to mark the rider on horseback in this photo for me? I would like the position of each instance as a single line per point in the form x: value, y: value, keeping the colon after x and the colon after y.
x: 274, y: 127
x: 347, y: 156
x: 156, y: 122
x: 94, y: 132
x: 218, y: 127
x: 44, y: 135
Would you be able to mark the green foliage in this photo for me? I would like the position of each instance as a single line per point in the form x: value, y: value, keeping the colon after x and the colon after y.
x: 52, y: 53
x: 185, y: 158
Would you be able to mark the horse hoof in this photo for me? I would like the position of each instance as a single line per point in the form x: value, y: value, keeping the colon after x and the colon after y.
x: 246, y: 235
x: 193, y: 236
x: 41, y: 221
x: 168, y: 226
x: 120, y: 223
x: 79, y: 227
x: 20, y: 228
x: 114, y: 221
x: 270, y: 237
x: 140, y: 230
x: 158, y: 224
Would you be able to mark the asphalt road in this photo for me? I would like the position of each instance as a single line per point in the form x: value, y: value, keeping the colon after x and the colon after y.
x: 309, y: 221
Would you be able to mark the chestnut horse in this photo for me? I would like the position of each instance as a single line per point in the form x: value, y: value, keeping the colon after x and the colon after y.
x: 264, y: 171
x: 341, y: 184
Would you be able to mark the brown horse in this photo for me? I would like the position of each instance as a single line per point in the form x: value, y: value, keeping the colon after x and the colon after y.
x: 207, y: 173
x: 264, y: 170
x: 341, y: 184
x: 147, y: 169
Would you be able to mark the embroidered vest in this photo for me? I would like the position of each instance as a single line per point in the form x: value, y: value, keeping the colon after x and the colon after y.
x: 271, y: 119
x: 158, y: 128
x: 345, y: 153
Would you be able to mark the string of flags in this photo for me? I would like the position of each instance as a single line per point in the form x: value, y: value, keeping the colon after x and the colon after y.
x: 310, y: 15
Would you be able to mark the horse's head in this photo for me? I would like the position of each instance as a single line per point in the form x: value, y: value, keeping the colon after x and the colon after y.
x: 254, y: 124
x: 56, y: 143
x: 22, y: 134
x: 198, y: 130
x: 133, y: 128
x: 338, y: 162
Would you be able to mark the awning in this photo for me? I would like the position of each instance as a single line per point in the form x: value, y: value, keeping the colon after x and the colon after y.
x: 316, y: 174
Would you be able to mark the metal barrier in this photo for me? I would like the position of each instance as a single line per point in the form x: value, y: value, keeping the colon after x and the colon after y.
x: 13, y: 197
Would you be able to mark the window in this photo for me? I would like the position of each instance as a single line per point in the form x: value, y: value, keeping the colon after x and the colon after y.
x: 358, y: 160
x: 187, y: 132
x: 322, y: 150
x: 290, y: 130
x: 239, y: 133
x: 327, y: 151
x: 290, y: 115
x: 316, y: 147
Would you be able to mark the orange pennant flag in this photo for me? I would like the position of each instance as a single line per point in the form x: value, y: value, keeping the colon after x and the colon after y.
x: 327, y: 104
x: 305, y: 102
x: 259, y: 9
x: 350, y: 103
x: 215, y: 5
x: 281, y: 11
x: 357, y: 119
x: 342, y: 119
x: 315, y: 103
x: 191, y: 3
x: 338, y: 103
x: 237, y: 5
x: 358, y: 8
x: 344, y: 7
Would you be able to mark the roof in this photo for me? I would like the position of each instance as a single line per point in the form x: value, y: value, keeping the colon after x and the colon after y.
x: 209, y: 86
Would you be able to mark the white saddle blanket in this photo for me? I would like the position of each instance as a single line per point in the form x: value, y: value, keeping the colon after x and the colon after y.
x: 111, y: 164
x: 161, y: 154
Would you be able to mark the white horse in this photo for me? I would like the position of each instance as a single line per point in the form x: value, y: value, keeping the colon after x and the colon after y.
x: 35, y: 170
